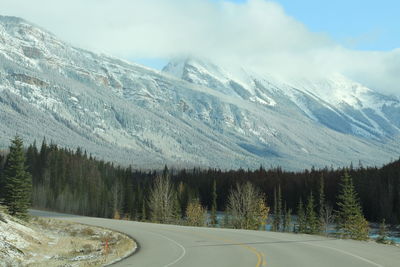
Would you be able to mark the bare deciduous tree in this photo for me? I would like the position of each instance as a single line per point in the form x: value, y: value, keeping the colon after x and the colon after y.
x: 196, y: 214
x: 161, y: 200
x: 247, y: 207
x: 329, y: 217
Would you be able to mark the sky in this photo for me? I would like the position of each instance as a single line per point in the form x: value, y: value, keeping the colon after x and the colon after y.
x: 357, y: 24
x: 288, y: 38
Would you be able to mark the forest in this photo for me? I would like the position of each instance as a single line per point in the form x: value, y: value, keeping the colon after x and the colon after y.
x: 73, y: 181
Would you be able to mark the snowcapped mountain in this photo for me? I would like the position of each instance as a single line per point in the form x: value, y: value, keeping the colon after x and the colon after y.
x: 335, y: 102
x: 194, y: 113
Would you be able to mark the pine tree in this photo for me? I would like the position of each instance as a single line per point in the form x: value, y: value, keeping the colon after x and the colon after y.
x: 287, y: 219
x: 144, y: 213
x: 301, y: 218
x: 312, y: 224
x: 31, y: 156
x: 177, y: 210
x: 322, y: 205
x: 279, y: 211
x: 276, y: 223
x: 182, y: 196
x: 17, y: 181
x: 214, y: 220
x: 274, y: 226
x: 383, y: 232
x: 350, y: 219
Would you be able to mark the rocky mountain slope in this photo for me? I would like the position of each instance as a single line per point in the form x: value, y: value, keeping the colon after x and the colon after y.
x: 192, y: 114
x: 336, y: 102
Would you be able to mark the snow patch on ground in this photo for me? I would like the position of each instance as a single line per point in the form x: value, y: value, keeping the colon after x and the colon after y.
x: 47, y: 242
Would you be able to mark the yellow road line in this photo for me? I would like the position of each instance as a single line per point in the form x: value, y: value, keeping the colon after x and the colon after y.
x: 264, y: 259
x: 260, y: 256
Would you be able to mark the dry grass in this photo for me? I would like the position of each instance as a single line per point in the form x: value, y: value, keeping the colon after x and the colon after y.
x: 70, y: 244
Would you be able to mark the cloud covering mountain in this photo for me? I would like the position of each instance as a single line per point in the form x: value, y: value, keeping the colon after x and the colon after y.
x: 257, y: 34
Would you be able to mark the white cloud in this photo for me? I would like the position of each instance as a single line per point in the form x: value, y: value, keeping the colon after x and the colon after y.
x: 257, y: 33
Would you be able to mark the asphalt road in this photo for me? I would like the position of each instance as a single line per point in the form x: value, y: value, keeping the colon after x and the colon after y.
x: 170, y: 245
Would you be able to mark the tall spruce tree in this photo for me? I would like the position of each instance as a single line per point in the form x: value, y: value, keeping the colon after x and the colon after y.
x: 277, y: 220
x: 274, y: 226
x: 287, y: 219
x: 301, y: 217
x: 312, y: 224
x: 143, y: 212
x: 350, y: 219
x: 214, y: 220
x: 17, y: 181
x: 321, y: 205
x: 383, y: 232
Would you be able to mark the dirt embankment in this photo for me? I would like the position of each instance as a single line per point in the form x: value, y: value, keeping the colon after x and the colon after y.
x: 49, y: 242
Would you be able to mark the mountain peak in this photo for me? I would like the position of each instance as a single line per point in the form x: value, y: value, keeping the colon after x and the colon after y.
x: 187, y: 69
x: 12, y: 20
x: 227, y: 119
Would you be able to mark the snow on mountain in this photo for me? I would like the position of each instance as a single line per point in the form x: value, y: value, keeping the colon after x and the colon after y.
x: 336, y: 102
x: 192, y: 114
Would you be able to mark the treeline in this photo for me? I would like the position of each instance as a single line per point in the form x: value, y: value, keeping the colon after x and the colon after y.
x: 73, y: 181
x: 378, y: 188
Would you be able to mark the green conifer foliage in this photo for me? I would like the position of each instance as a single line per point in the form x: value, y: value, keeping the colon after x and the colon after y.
x: 312, y: 224
x: 277, y: 220
x: 287, y: 219
x: 350, y: 219
x: 17, y: 181
x: 214, y: 220
x: 383, y: 232
x: 322, y: 205
x: 144, y: 213
x: 301, y: 218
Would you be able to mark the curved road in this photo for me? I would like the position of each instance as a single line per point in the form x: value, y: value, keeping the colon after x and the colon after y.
x: 180, y: 246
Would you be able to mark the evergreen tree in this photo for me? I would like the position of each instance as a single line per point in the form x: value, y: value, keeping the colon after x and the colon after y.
x: 17, y: 181
x: 144, y: 213
x: 287, y: 219
x: 274, y: 226
x: 165, y: 171
x: 350, y: 219
x: 301, y: 218
x: 321, y: 205
x: 277, y: 220
x: 31, y: 156
x: 383, y: 232
x: 214, y: 220
x: 182, y: 197
x: 279, y: 212
x: 177, y: 210
x: 312, y: 224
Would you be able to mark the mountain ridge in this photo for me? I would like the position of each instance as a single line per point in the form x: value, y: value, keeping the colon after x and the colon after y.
x: 134, y: 115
